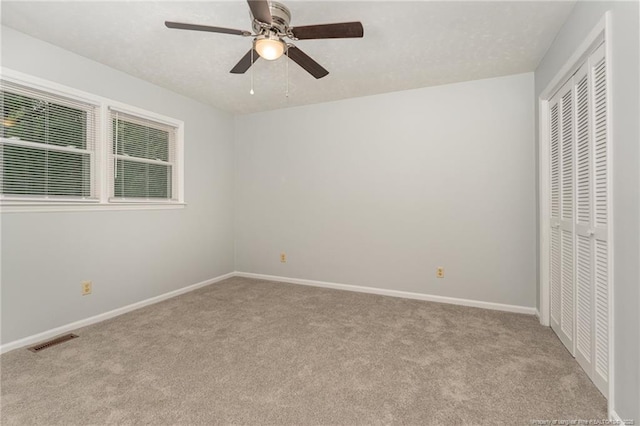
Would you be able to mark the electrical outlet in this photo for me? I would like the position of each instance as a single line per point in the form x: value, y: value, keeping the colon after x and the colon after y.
x: 440, y: 272
x: 86, y: 287
x: 283, y: 257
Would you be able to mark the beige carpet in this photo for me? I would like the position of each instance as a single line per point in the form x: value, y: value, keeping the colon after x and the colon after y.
x: 256, y: 352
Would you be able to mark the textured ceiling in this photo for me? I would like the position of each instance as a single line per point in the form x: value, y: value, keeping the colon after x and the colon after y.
x: 406, y: 45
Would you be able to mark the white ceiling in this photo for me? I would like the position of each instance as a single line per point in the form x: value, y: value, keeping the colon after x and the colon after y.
x: 406, y: 45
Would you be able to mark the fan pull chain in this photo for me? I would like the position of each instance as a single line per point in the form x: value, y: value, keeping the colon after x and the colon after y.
x: 286, y: 93
x: 251, y: 92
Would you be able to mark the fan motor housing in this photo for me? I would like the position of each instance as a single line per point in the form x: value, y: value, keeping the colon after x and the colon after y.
x: 281, y: 16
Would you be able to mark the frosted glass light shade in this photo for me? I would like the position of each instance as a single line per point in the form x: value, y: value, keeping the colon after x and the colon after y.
x: 269, y: 48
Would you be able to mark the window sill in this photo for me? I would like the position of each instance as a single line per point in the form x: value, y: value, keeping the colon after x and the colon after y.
x: 7, y: 207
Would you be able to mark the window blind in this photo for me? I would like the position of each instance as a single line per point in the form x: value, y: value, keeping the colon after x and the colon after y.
x: 47, y: 145
x: 143, y: 156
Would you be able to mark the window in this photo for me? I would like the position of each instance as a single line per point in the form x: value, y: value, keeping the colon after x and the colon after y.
x: 64, y: 148
x: 47, y: 145
x: 142, y: 158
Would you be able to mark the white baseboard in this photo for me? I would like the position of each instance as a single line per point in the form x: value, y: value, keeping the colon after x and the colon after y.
x: 395, y: 293
x: 617, y: 419
x: 104, y: 316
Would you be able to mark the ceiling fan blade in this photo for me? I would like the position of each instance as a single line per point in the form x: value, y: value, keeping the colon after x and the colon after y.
x: 340, y: 30
x: 245, y: 63
x: 305, y: 61
x: 181, y: 26
x: 260, y: 10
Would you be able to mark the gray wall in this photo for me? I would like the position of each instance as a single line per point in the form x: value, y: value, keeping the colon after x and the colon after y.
x: 626, y: 179
x: 380, y: 191
x: 129, y: 255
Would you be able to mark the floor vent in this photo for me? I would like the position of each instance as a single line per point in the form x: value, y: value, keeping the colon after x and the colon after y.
x: 52, y: 342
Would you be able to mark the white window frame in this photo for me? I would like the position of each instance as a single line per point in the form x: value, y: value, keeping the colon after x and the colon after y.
x: 103, y: 182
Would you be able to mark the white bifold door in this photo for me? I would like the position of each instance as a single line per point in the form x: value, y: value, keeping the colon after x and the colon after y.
x: 579, y: 217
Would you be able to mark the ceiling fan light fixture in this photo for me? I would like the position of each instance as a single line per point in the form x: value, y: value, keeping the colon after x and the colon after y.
x: 270, y: 23
x: 269, y: 47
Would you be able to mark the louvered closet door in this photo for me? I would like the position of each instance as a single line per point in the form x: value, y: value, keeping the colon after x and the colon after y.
x: 584, y: 222
x: 564, y: 226
x: 601, y: 219
x: 556, y: 248
x: 580, y: 214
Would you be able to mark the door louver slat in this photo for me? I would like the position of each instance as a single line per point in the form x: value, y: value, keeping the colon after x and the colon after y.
x: 555, y: 163
x: 602, y: 315
x: 584, y: 308
x: 600, y: 145
x: 567, y: 156
x: 567, y: 284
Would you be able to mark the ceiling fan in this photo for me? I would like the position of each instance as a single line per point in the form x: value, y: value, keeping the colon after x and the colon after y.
x: 270, y: 24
